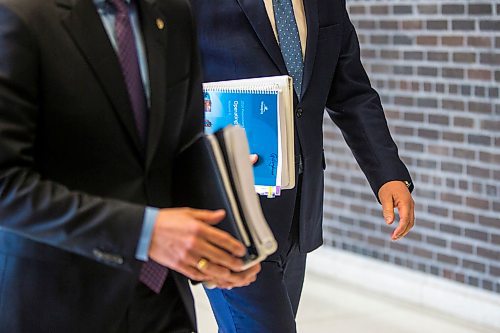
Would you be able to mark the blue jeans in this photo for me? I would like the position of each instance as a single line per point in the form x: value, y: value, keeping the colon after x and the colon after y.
x: 269, y: 305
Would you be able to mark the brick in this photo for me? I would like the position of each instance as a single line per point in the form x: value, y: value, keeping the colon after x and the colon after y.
x: 379, y: 39
x: 488, y: 157
x: 406, y: 131
x: 428, y: 164
x: 489, y: 222
x: 474, y: 265
x: 427, y: 9
x: 366, y: 24
x: 479, y: 140
x: 379, y: 10
x: 421, y: 252
x: 389, y: 54
x: 413, y: 55
x: 452, y: 9
x: 427, y: 71
x: 463, y: 122
x: 436, y: 241
x: 462, y: 247
x: 452, y: 41
x: 438, y: 119
x: 455, y: 137
x: 427, y: 40
x: 453, y: 104
x: 478, y: 107
x: 403, y: 70
x: 478, y: 172
x: 488, y: 285
x: 427, y: 102
x: 437, y: 25
x: 489, y: 253
x: 479, y: 91
x: 473, y: 281
x: 463, y: 25
x: 412, y: 25
x: 411, y: 116
x: 479, y: 41
x: 424, y: 223
x: 447, y: 259
x: 403, y: 40
x: 389, y: 25
x: 440, y: 211
x: 495, y: 271
x: 355, y: 10
x: 416, y: 147
x: 489, y: 25
x: 464, y: 57
x: 453, y: 73
x: 402, y: 9
x: 437, y: 56
x: 477, y: 203
x: 475, y: 234
x: 464, y: 154
x: 368, y: 53
x: 453, y: 198
x: 438, y: 150
x: 490, y: 58
x: 480, y: 74
x: 479, y: 9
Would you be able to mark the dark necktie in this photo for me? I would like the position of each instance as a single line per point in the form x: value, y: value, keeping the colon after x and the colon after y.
x: 129, y: 62
x: 152, y: 274
x: 289, y: 40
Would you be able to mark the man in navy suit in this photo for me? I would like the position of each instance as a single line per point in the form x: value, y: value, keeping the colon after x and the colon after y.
x: 314, y: 42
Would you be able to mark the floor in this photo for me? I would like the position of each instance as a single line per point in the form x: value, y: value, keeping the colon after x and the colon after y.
x: 330, y: 306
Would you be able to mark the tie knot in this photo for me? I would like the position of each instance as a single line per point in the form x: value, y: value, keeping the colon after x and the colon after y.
x: 120, y: 5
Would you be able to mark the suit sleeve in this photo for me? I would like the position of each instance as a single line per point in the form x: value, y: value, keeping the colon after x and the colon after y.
x: 356, y: 109
x: 40, y: 209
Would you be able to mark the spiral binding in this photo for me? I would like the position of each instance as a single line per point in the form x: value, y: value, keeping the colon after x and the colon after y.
x: 253, y: 89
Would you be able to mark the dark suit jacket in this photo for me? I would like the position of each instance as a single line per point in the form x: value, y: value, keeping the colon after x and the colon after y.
x: 237, y: 41
x: 74, y: 177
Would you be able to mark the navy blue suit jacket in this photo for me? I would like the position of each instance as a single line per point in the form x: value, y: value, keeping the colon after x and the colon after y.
x: 237, y: 41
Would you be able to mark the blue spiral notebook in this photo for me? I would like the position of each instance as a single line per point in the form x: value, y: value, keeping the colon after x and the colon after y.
x: 261, y: 106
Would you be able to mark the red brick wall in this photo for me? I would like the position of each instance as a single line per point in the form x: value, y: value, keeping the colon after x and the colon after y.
x: 436, y: 66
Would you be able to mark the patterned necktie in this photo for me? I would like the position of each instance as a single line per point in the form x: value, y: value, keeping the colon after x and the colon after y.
x: 129, y: 62
x: 152, y: 274
x: 289, y: 40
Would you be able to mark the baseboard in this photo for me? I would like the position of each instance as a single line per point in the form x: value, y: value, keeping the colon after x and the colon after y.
x: 449, y: 297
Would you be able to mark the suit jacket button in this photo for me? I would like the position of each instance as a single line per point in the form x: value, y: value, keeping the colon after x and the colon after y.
x: 298, y: 113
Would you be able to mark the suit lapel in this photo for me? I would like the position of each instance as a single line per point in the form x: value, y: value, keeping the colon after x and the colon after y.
x: 154, y: 40
x: 257, y: 15
x: 311, y: 9
x: 85, y: 27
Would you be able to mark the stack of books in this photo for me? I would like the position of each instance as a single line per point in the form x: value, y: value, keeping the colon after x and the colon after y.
x: 264, y: 107
x: 214, y: 172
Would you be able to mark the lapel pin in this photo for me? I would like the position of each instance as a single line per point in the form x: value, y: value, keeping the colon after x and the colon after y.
x: 160, y: 24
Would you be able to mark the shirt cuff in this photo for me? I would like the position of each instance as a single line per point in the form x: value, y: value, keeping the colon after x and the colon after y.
x: 146, y: 233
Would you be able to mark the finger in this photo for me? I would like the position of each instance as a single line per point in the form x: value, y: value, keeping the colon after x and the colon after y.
x: 190, y: 272
x: 254, y: 158
x: 404, y: 209
x: 387, y: 208
x: 218, y: 256
x: 243, y: 278
x: 222, y: 240
x: 207, y: 216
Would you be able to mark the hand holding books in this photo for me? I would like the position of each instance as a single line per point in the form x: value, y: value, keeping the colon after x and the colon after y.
x: 214, y: 172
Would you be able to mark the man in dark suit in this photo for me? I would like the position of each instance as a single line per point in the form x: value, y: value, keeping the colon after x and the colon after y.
x: 96, y: 99
x: 314, y: 42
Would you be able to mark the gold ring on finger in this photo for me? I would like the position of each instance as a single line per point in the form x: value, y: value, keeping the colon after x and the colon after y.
x: 201, y: 264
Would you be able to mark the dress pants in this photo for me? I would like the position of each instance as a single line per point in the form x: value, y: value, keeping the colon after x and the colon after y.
x: 269, y: 305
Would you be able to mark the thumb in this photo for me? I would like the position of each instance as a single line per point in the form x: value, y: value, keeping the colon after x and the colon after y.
x: 387, y: 208
x: 254, y: 158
